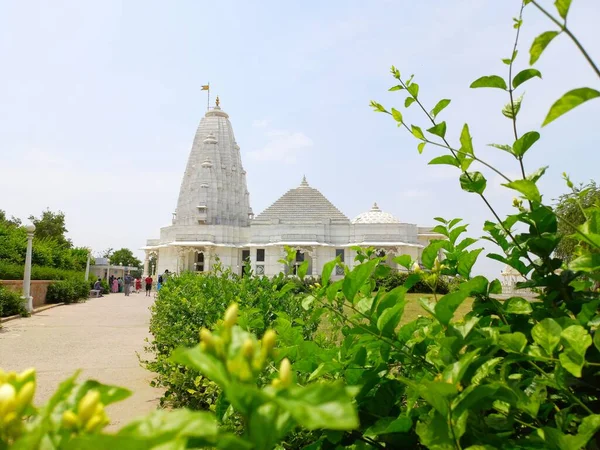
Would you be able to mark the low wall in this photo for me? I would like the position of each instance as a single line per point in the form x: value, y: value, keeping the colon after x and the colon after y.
x: 39, y: 288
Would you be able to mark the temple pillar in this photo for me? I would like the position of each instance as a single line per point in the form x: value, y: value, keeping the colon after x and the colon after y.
x: 146, y: 263
x: 313, y: 255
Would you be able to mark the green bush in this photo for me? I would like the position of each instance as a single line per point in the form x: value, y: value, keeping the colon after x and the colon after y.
x: 189, y: 302
x: 11, y: 303
x: 67, y: 291
x: 395, y: 279
x: 13, y: 271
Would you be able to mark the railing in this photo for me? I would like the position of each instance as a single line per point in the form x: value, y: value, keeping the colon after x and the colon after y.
x: 195, y: 237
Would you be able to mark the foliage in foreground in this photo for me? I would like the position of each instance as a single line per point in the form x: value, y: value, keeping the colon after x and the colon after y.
x: 190, y: 302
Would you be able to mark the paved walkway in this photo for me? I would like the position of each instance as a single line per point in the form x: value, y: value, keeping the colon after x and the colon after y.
x: 101, y: 336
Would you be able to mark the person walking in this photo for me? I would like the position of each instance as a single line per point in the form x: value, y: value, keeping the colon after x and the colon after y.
x: 148, y: 282
x: 138, y: 285
x: 120, y: 281
x: 115, y: 285
x: 127, y: 284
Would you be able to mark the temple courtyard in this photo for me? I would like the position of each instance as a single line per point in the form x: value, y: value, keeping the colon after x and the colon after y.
x: 102, y: 336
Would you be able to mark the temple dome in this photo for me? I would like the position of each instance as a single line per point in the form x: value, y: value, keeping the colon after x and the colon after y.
x: 375, y: 215
x: 302, y: 204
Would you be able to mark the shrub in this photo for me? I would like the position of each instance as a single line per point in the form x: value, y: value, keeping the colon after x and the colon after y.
x: 394, y: 279
x: 103, y: 284
x: 13, y: 271
x: 11, y: 303
x: 189, y: 302
x: 67, y: 291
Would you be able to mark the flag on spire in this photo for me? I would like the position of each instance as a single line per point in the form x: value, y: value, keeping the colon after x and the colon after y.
x: 205, y: 87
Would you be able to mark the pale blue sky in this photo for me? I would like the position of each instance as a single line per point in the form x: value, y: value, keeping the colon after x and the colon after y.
x: 99, y: 103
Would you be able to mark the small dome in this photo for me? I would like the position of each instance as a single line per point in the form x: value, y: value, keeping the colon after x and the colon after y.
x: 375, y: 215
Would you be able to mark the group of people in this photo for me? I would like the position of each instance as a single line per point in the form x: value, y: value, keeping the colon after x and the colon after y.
x: 127, y: 284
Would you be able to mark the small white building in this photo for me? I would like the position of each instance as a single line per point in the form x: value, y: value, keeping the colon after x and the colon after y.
x: 214, y: 219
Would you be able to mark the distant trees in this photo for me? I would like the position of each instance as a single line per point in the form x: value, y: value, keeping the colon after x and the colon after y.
x: 51, y: 225
x: 124, y: 256
x: 571, y: 206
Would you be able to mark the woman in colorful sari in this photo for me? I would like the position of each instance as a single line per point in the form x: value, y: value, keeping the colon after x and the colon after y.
x: 115, y: 286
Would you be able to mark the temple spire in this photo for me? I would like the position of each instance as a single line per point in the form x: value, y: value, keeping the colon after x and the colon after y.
x: 304, y: 182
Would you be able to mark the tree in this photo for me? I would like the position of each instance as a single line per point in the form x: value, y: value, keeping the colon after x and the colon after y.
x: 571, y: 207
x: 52, y: 225
x: 124, y: 256
x: 13, y: 221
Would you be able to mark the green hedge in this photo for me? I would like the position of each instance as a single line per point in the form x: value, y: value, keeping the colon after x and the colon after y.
x: 395, y: 279
x: 11, y: 271
x: 189, y: 302
x: 67, y: 291
x: 11, y: 303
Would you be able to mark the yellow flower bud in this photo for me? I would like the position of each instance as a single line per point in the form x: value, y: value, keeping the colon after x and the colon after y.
x: 3, y: 376
x: 11, y: 376
x: 231, y: 315
x: 26, y: 375
x: 285, y: 372
x: 94, y: 424
x: 70, y: 420
x: 416, y: 268
x: 7, y: 399
x: 25, y: 395
x: 276, y: 383
x: 87, y: 405
x: 206, y: 336
x: 268, y: 341
x: 9, y: 419
x: 248, y: 348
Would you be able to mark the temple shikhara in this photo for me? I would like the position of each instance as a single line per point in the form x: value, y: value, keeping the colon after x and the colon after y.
x: 213, y: 219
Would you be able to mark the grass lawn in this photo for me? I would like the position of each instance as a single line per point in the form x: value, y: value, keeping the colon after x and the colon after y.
x: 414, y: 309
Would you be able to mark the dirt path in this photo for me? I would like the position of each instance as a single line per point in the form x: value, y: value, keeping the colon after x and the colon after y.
x: 101, y: 336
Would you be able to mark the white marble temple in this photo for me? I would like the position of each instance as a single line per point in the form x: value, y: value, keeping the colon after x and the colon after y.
x: 214, y: 219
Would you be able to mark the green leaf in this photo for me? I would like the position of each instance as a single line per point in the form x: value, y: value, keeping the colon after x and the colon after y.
x: 511, y: 110
x: 396, y: 88
x: 108, y: 394
x: 439, y: 107
x: 387, y: 425
x: 539, y: 45
x: 525, y: 75
x: 513, y: 342
x: 586, y: 263
x: 320, y: 405
x: 575, y: 340
x: 473, y: 182
x: 356, y: 278
x: 431, y: 252
x: 517, y: 305
x: 466, y: 142
x: 390, y: 318
x: 404, y: 260
x: 417, y: 132
x: 448, y: 304
x: 409, y: 101
x: 495, y: 287
x: 506, y: 148
x: 466, y: 262
x: 563, y: 7
x: 491, y: 81
x: 307, y: 301
x: 328, y: 270
x: 302, y: 269
x: 525, y: 142
x: 397, y: 115
x: 454, y: 372
x: 434, y: 434
x: 413, y: 89
x: 570, y: 100
x: 438, y: 130
x: 485, y: 370
x: 377, y: 106
x: 445, y: 159
x: 526, y: 187
x: 420, y: 147
x: 546, y: 334
x: 205, y: 363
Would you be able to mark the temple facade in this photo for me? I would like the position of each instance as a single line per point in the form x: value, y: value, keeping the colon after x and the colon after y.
x: 213, y: 219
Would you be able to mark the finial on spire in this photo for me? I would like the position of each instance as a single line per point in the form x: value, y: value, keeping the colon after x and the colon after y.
x: 218, y: 102
x: 375, y: 207
x: 304, y: 182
